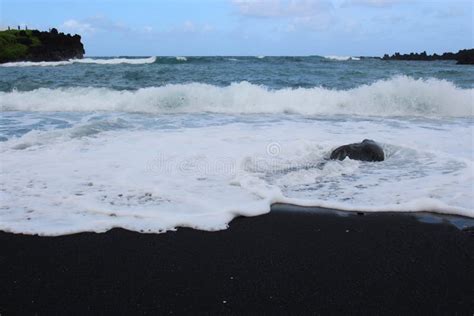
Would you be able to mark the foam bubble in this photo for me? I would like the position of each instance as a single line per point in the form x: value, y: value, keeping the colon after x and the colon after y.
x: 398, y: 96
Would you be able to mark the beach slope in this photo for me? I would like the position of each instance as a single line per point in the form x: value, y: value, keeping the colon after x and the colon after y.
x: 282, y: 262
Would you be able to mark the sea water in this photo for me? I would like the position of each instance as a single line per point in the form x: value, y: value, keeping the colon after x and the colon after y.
x: 154, y: 143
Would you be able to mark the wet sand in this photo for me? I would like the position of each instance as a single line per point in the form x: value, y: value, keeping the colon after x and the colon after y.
x: 284, y: 262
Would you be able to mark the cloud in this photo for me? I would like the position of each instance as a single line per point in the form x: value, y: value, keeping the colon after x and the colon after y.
x: 77, y: 26
x: 104, y: 24
x: 289, y: 15
x: 450, y: 12
x: 281, y: 8
x: 100, y: 25
x: 389, y: 19
x: 192, y: 27
x: 94, y: 24
x: 318, y: 22
x: 370, y: 3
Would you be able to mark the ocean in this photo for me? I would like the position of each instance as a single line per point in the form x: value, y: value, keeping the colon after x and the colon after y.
x: 155, y: 143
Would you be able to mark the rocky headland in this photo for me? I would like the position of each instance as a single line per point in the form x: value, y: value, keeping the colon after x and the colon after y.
x: 34, y: 45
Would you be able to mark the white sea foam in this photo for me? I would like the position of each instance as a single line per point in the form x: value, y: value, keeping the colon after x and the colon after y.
x: 342, y: 58
x: 398, y: 96
x: 70, y: 180
x: 181, y: 58
x: 38, y: 63
x: 101, y: 61
x: 113, y: 61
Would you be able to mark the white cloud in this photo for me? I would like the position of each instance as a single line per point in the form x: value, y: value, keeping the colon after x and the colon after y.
x: 75, y: 26
x: 313, y: 15
x: 318, y: 22
x: 104, y: 24
x: 94, y: 24
x: 450, y: 12
x: 100, y: 24
x: 262, y: 8
x: 207, y: 28
x: 281, y: 8
x: 189, y: 27
x: 371, y: 3
x: 192, y: 27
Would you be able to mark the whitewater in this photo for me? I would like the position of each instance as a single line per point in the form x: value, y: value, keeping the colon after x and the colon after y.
x: 155, y: 143
x: 100, y: 61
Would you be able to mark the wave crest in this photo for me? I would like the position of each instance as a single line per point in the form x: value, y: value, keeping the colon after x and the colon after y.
x: 100, y: 61
x: 342, y: 58
x: 398, y: 96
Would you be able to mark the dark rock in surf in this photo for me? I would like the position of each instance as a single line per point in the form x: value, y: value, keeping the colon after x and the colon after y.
x: 367, y: 150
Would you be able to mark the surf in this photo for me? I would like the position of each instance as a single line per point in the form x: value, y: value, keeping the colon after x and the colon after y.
x: 99, y: 61
x: 397, y: 96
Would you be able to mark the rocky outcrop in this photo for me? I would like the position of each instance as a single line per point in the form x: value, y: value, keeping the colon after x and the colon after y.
x: 464, y: 56
x: 33, y: 45
x: 367, y: 150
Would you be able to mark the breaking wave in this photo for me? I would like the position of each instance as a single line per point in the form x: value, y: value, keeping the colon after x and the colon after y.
x: 341, y: 58
x: 101, y: 61
x: 398, y: 96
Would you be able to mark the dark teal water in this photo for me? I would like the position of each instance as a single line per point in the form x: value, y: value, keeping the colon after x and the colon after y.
x: 272, y: 72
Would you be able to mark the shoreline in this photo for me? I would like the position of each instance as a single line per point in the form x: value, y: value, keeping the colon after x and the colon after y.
x: 284, y: 261
x: 429, y: 217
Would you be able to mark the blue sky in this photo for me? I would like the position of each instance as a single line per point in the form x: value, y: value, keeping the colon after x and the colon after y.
x: 252, y: 27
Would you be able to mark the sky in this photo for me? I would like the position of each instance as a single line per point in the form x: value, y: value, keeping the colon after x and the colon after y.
x: 251, y: 27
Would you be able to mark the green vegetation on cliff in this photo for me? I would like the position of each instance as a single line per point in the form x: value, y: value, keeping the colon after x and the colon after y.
x: 15, y: 44
x: 33, y: 45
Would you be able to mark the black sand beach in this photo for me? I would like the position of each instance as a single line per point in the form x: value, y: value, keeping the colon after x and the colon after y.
x: 280, y: 263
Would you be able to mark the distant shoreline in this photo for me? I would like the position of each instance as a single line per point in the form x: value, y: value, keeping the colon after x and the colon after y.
x: 463, y: 57
x: 52, y: 46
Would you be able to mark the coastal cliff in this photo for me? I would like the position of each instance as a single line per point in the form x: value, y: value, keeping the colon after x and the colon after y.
x: 34, y: 45
x: 463, y: 57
